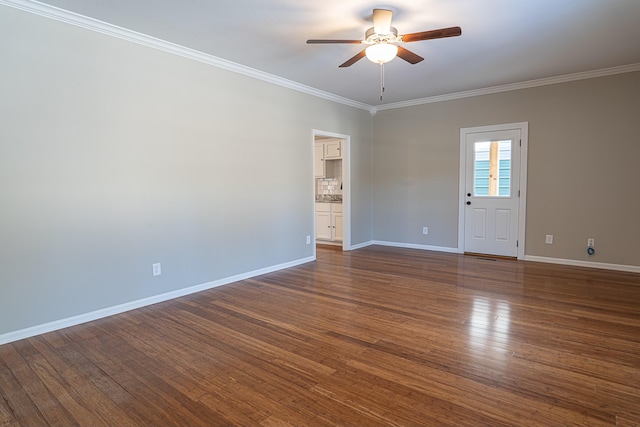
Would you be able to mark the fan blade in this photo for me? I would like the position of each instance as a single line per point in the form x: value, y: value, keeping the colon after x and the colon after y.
x: 433, y: 34
x: 409, y: 56
x: 382, y: 21
x: 354, y: 59
x: 333, y: 41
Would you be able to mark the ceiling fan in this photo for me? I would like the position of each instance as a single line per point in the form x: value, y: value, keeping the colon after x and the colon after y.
x: 382, y: 36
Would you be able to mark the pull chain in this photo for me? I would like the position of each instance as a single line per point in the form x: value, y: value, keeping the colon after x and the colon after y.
x: 381, y: 80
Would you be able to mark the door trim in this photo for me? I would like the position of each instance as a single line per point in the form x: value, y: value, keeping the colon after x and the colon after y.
x: 522, y: 201
x: 346, y: 186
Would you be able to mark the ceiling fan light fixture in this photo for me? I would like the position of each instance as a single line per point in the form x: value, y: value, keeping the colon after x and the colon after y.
x: 381, y: 52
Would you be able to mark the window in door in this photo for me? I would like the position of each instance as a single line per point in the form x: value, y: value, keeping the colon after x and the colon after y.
x: 492, y: 168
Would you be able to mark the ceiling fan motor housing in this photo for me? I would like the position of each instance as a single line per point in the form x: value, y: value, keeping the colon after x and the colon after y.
x: 371, y: 37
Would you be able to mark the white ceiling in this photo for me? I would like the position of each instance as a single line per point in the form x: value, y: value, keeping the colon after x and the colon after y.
x: 503, y: 41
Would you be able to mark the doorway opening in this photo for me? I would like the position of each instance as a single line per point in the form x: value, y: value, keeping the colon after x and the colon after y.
x: 493, y: 173
x: 331, y: 189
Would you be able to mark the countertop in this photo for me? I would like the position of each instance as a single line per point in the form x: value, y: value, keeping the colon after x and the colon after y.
x: 329, y: 198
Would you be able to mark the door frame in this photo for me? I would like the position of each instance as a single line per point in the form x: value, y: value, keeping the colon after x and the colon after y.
x: 346, y: 185
x: 522, y: 200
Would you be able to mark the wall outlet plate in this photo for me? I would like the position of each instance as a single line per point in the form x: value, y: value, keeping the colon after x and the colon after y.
x: 591, y: 242
x: 425, y: 230
x: 308, y: 240
x: 549, y: 239
x: 157, y: 269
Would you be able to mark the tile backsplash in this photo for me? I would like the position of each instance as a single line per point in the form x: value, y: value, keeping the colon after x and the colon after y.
x: 332, y: 185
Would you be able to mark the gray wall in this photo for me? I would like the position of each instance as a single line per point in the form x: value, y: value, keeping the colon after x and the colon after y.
x: 114, y: 156
x: 583, y: 177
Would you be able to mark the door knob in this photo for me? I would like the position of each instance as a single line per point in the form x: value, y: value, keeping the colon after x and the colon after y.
x: 468, y: 194
x: 468, y: 203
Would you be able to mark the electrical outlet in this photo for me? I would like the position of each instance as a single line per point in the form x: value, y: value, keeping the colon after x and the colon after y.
x: 425, y: 230
x: 157, y: 269
x: 591, y: 242
x: 308, y: 240
x: 549, y: 239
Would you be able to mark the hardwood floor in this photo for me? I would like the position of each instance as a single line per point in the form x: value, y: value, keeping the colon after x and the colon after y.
x: 377, y: 336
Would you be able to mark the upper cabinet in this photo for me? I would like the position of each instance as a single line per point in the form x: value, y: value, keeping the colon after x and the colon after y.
x: 333, y: 149
x: 318, y: 160
x: 327, y: 149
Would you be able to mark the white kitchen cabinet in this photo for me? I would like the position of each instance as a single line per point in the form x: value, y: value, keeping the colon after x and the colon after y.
x: 323, y: 225
x: 336, y: 222
x: 329, y: 221
x: 330, y: 149
x: 333, y: 149
x: 318, y: 160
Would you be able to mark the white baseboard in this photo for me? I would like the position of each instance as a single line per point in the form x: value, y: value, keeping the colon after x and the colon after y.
x: 360, y: 245
x: 590, y: 264
x: 121, y: 308
x: 416, y: 246
x: 572, y: 262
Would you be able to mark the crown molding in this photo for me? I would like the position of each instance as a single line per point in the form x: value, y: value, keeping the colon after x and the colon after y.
x: 514, y: 86
x: 78, y: 20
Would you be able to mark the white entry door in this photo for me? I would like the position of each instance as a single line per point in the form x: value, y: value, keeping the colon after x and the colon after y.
x: 492, y: 192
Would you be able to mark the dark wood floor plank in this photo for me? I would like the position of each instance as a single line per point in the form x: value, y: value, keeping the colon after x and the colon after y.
x: 490, y: 402
x: 22, y: 361
x: 18, y: 408
x: 170, y: 388
x: 377, y: 336
x: 153, y: 397
x: 60, y: 378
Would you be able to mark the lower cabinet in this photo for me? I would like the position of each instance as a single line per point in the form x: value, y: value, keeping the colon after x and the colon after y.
x: 329, y: 221
x: 323, y: 224
x: 336, y: 222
